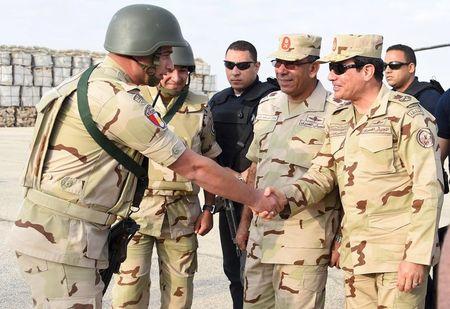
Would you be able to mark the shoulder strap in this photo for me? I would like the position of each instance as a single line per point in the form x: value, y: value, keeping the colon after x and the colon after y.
x: 176, y: 106
x: 97, y: 135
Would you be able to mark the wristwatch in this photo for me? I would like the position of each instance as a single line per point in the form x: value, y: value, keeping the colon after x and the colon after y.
x: 210, y: 208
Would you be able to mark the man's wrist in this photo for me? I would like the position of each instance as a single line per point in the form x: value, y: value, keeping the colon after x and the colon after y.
x: 209, y: 208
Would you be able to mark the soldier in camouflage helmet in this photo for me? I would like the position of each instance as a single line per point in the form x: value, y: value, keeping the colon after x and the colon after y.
x: 170, y: 216
x: 74, y: 189
x: 287, y: 260
x: 381, y: 152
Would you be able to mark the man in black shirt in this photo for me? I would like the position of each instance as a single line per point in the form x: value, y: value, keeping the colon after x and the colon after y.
x: 233, y: 110
x: 400, y: 69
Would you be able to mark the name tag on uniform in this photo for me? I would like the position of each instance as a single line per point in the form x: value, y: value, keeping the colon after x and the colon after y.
x: 377, y: 130
x: 266, y: 117
x: 380, y: 127
x: 312, y: 121
x: 338, y: 129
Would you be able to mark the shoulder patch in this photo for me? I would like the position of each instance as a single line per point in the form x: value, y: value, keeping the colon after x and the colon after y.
x: 415, y: 110
x: 153, y: 116
x: 425, y: 138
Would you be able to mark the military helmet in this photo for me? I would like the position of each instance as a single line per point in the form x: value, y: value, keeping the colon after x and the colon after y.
x: 183, y: 56
x: 140, y: 29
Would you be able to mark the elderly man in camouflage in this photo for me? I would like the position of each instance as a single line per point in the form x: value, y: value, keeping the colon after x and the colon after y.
x: 381, y: 151
x: 75, y: 189
x: 287, y: 260
x: 170, y: 213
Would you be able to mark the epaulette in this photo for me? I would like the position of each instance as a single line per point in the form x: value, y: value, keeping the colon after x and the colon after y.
x: 338, y: 103
x: 402, y: 98
x: 269, y: 96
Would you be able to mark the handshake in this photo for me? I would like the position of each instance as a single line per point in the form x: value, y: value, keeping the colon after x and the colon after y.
x: 269, y: 203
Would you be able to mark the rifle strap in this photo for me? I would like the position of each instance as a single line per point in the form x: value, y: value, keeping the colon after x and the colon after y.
x: 106, y: 144
x: 176, y: 106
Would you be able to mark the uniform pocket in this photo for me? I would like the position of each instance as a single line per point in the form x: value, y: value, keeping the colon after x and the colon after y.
x: 377, y: 153
x: 31, y: 265
x: 307, y: 233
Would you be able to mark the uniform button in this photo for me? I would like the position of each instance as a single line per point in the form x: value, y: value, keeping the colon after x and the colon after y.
x: 240, y: 115
x: 176, y: 151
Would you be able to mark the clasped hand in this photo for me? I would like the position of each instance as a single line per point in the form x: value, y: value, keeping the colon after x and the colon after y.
x: 270, y: 202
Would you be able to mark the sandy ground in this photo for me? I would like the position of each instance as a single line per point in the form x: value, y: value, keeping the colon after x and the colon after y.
x: 211, y: 288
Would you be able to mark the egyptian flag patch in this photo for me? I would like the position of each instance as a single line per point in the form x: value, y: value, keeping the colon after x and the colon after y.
x: 154, y: 117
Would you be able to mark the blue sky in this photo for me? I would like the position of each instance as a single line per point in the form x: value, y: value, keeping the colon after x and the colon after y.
x: 211, y: 25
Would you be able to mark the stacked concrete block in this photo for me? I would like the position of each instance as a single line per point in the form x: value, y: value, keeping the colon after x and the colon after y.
x: 6, y: 75
x: 209, y: 83
x: 30, y: 96
x: 27, y: 73
x: 21, y: 58
x: 9, y: 96
x: 5, y: 58
x: 60, y: 74
x: 23, y: 75
x: 62, y: 61
x: 204, y: 82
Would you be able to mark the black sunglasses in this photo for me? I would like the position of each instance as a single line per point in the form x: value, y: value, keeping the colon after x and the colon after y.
x: 240, y: 65
x: 339, y: 68
x: 394, y: 65
x: 290, y: 65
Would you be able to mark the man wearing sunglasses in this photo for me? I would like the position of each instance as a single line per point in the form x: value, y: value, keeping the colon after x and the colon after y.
x: 400, y: 68
x: 381, y: 152
x: 287, y: 260
x: 233, y: 110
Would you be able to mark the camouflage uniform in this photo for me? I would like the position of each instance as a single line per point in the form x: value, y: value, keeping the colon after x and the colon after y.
x: 167, y: 216
x: 287, y: 259
x: 392, y: 149
x: 75, y: 189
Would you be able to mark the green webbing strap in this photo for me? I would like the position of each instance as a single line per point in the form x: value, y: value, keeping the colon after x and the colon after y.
x: 97, y: 135
x: 176, y: 106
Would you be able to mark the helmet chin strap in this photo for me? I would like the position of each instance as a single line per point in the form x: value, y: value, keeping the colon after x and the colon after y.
x: 149, y: 70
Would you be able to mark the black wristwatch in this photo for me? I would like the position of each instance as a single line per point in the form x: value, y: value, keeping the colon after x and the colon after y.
x: 211, y: 208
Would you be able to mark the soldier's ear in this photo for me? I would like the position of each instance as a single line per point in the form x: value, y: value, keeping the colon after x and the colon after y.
x: 411, y: 68
x: 313, y: 69
x: 368, y: 71
x: 257, y: 65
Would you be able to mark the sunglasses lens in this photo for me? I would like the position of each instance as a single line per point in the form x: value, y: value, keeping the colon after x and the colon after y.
x: 395, y: 66
x: 229, y: 65
x: 240, y: 65
x: 338, y: 68
x: 243, y: 65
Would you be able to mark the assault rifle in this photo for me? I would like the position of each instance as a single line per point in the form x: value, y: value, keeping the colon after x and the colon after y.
x: 233, y: 223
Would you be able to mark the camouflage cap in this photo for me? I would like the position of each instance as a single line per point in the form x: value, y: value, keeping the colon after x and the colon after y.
x: 346, y: 46
x: 297, y: 46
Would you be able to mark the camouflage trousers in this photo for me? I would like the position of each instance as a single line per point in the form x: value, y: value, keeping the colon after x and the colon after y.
x: 284, y: 286
x: 380, y: 291
x: 55, y: 285
x: 177, y: 260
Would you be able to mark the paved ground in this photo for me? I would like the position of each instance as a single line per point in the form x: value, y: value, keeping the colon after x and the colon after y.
x: 211, y: 289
